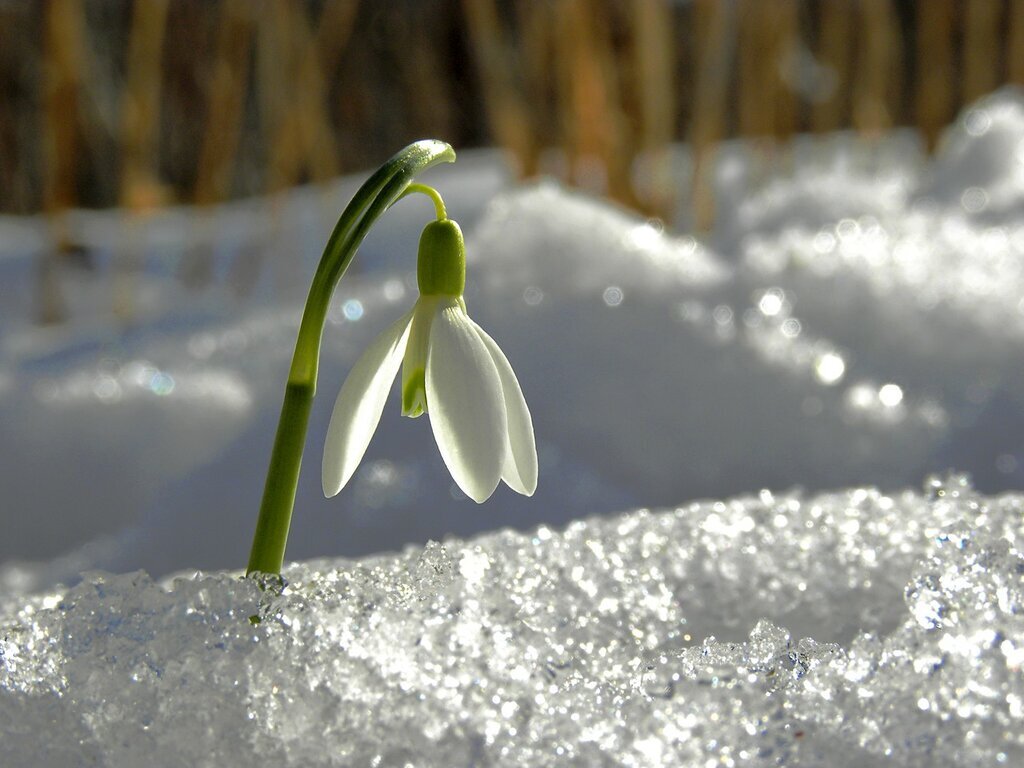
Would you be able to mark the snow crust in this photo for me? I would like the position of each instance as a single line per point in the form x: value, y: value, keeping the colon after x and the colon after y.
x: 891, y: 633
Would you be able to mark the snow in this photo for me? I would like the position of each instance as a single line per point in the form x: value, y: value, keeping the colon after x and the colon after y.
x: 890, y: 633
x: 855, y: 321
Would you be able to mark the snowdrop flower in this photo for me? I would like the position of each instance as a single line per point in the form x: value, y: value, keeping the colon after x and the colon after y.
x: 451, y: 370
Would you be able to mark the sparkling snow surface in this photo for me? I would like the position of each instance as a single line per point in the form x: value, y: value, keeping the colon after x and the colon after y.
x: 891, y: 633
x: 855, y: 321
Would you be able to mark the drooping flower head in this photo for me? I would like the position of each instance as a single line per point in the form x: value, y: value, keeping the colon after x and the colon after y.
x: 452, y: 371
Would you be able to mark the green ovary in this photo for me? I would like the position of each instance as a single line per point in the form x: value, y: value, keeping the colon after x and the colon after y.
x: 441, y: 264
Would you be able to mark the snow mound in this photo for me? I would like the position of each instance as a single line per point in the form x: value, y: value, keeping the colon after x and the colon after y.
x: 629, y: 640
x: 855, y: 319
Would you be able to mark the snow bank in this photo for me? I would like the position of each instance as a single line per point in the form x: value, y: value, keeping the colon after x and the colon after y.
x: 855, y: 320
x: 890, y: 634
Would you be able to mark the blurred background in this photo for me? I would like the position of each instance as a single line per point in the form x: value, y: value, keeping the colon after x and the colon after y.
x: 145, y: 103
x: 802, y: 222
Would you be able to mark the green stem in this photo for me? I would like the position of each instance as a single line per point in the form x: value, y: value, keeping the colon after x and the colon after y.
x: 384, y: 187
x: 430, y: 192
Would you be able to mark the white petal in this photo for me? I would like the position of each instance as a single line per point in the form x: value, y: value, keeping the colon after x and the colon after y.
x: 520, y: 470
x: 464, y: 402
x: 360, y: 403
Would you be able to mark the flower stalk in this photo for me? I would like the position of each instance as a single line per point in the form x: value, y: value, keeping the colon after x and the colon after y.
x: 389, y: 183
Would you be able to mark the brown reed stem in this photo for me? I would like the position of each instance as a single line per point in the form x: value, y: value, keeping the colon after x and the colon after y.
x: 1015, y: 42
x: 140, y: 109
x: 505, y: 107
x: 63, y: 44
x: 714, y: 22
x: 224, y: 103
x: 982, y: 32
x: 833, y: 50
x: 425, y: 89
x: 654, y: 75
x: 597, y: 153
x: 756, y: 97
x: 140, y: 102
x: 935, y: 70
x: 875, y: 81
x: 537, y: 40
x: 302, y: 137
x: 292, y: 71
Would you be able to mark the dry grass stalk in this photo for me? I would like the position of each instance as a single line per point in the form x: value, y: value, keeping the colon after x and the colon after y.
x: 294, y: 64
x: 756, y: 83
x: 301, y: 134
x: 876, y: 83
x: 224, y: 103
x: 334, y: 31
x: 63, y: 65
x: 593, y: 127
x: 506, y: 109
x: 13, y: 47
x: 760, y: 90
x: 768, y: 33
x: 140, y: 189
x: 426, y: 91
x: 224, y: 110
x: 834, y: 50
x: 277, y: 91
x: 63, y: 46
x: 785, y: 46
x: 537, y: 52
x: 655, y: 81
x: 1015, y: 42
x: 715, y: 25
x: 982, y: 20
x: 935, y: 69
x: 140, y: 105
